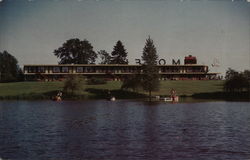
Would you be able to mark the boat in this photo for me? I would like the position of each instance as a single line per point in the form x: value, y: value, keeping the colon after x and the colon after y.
x: 168, y: 99
x: 112, y: 98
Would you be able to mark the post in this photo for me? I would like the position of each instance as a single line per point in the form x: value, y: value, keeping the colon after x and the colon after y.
x: 150, y: 95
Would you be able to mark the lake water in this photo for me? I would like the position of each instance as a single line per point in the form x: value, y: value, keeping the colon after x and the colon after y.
x: 105, y: 130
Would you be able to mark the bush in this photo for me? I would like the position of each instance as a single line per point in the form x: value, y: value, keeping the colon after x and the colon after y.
x: 237, y: 83
x: 94, y: 81
x: 73, y: 85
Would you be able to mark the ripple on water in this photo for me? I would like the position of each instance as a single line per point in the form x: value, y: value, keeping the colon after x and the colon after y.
x: 124, y: 130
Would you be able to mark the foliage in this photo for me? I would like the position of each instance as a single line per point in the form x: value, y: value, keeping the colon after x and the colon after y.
x: 150, y: 80
x: 95, y: 81
x: 73, y: 85
x: 246, y: 74
x: 75, y: 51
x: 119, y: 54
x: 149, y: 55
x: 132, y: 82
x: 237, y: 82
x: 105, y: 57
x: 9, y: 69
x: 230, y: 73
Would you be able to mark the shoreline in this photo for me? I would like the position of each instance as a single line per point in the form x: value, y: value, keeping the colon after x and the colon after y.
x: 208, y: 90
x: 208, y: 97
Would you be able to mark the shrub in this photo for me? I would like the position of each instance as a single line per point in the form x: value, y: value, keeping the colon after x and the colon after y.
x: 237, y: 83
x: 73, y: 84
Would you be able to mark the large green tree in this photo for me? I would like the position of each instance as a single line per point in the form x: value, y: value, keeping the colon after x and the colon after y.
x: 105, y: 57
x: 119, y: 54
x: 76, y: 51
x: 9, y: 69
x: 150, y: 79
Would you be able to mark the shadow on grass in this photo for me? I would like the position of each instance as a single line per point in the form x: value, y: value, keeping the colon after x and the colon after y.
x: 229, y: 96
x: 30, y: 96
x: 118, y: 93
x: 94, y: 94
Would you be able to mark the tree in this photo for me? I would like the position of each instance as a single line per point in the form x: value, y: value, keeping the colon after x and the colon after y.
x: 132, y: 82
x: 105, y: 57
x: 237, y: 81
x: 119, y: 54
x: 150, y: 80
x: 246, y: 74
x: 230, y: 73
x: 9, y: 69
x: 75, y: 51
x: 73, y: 84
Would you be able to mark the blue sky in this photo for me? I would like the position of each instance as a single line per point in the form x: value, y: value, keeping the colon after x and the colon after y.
x: 208, y: 29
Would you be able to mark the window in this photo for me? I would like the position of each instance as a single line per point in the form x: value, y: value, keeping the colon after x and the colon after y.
x: 88, y: 69
x: 56, y: 69
x: 31, y: 69
x: 40, y: 69
x: 79, y: 69
x: 65, y: 69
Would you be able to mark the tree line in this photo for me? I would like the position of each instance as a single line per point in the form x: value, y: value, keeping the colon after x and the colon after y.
x: 76, y: 51
x: 237, y: 81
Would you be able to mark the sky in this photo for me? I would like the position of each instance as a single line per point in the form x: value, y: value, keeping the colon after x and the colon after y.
x: 211, y: 30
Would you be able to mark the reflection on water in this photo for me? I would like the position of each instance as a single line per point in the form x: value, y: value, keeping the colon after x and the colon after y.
x: 124, y: 130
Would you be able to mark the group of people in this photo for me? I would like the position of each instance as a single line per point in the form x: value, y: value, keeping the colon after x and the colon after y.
x: 173, y: 95
x: 58, y: 97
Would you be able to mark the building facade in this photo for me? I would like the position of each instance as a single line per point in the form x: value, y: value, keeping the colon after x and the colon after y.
x: 189, y: 71
x: 114, y: 72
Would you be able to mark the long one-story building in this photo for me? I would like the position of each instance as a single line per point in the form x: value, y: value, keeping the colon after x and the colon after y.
x: 188, y: 71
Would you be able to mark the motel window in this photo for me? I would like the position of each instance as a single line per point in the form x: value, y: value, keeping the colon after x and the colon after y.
x: 65, y: 69
x: 32, y: 69
x: 40, y: 69
x: 89, y: 69
x: 56, y: 69
x: 79, y: 69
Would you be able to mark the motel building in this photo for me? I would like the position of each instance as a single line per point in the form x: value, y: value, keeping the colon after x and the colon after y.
x: 190, y: 70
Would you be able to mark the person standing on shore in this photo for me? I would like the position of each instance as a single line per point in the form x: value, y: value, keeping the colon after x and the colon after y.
x: 173, y: 94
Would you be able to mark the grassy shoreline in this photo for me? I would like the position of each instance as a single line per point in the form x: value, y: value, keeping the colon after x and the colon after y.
x: 45, y: 90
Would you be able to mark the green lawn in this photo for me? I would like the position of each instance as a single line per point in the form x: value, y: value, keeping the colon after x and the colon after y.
x: 189, y: 88
x: 19, y: 89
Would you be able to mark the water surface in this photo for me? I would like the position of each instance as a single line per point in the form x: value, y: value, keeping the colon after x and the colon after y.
x: 124, y: 130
